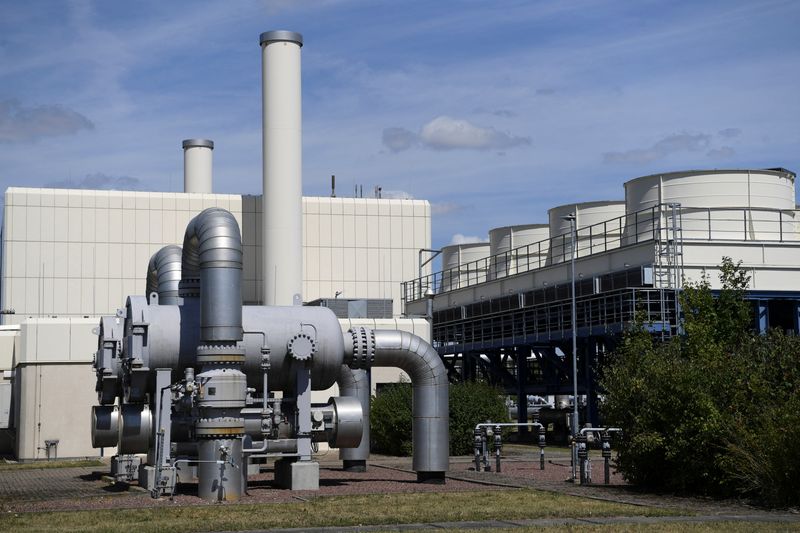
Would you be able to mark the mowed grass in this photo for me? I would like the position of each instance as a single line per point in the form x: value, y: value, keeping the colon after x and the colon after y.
x: 41, y: 465
x: 330, y: 511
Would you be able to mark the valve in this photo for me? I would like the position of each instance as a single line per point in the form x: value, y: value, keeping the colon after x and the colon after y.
x: 498, y: 445
x: 541, y: 447
x: 606, y: 451
x: 583, y: 458
x: 477, y: 449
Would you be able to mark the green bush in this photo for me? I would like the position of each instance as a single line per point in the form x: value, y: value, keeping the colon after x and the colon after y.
x: 470, y: 403
x: 714, y: 411
x: 390, y: 420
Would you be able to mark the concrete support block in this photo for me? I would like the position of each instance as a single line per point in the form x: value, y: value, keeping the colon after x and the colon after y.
x: 297, y: 475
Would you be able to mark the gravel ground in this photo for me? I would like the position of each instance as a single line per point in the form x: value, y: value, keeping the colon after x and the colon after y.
x: 84, y: 488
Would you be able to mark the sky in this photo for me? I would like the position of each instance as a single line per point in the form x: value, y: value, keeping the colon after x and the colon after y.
x: 494, y: 111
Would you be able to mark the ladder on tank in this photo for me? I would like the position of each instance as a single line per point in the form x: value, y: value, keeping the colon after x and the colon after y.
x: 668, y: 265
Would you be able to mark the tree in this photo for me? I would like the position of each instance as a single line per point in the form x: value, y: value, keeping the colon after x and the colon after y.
x: 715, y: 410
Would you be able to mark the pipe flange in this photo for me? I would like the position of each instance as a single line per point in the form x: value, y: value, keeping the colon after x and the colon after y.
x: 363, y: 347
x: 189, y: 288
x: 225, y: 354
x: 224, y: 427
x: 302, y: 347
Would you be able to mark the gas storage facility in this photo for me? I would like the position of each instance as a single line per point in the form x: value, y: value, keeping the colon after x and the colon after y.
x: 147, y: 310
x: 196, y: 334
x: 502, y: 310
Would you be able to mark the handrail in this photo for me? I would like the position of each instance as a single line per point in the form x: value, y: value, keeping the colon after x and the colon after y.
x: 717, y: 223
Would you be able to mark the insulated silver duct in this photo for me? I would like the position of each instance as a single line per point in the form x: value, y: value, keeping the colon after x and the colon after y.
x: 212, y: 254
x: 355, y: 383
x: 430, y: 403
x: 164, y: 275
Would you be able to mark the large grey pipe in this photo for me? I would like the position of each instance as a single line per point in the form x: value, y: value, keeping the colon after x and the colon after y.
x: 430, y: 402
x: 355, y: 383
x: 212, y: 254
x: 164, y: 275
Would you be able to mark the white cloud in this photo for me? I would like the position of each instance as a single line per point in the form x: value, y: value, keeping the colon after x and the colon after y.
x: 21, y: 124
x: 398, y: 139
x: 396, y: 195
x: 725, y: 152
x: 445, y: 208
x: 730, y: 133
x: 459, y: 238
x: 447, y: 133
x: 97, y: 181
x: 679, y: 142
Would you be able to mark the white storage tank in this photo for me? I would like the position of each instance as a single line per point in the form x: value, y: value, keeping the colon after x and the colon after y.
x: 715, y: 204
x: 458, y: 265
x: 517, y: 249
x: 600, y: 226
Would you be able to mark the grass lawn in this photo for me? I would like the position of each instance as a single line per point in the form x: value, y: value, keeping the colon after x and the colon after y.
x: 38, y: 465
x: 330, y: 511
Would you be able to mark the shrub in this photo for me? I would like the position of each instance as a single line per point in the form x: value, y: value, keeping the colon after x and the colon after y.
x: 470, y: 403
x: 390, y: 420
x: 714, y: 411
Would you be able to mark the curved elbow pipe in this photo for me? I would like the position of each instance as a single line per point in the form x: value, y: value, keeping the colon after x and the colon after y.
x: 164, y: 275
x: 355, y: 383
x: 430, y: 402
x: 212, y: 256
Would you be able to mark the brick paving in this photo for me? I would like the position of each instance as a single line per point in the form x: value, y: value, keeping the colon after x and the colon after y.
x: 84, y: 488
x: 37, y: 485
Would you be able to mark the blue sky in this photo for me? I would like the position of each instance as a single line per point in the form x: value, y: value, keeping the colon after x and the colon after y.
x: 493, y: 111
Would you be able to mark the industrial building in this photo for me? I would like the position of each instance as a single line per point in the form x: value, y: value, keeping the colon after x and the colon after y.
x: 502, y: 310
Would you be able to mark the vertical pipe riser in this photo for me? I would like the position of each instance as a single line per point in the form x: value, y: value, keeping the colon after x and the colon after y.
x: 220, y: 475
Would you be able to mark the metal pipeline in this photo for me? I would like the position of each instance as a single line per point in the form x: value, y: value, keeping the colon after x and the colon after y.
x: 212, y: 254
x: 355, y: 383
x: 365, y: 348
x: 164, y: 275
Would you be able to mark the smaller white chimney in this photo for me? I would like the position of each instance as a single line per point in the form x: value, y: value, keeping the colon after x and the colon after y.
x: 197, y: 175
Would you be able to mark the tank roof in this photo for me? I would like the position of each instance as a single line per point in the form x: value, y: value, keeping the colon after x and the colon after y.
x: 597, y: 203
x: 778, y: 171
x: 520, y: 227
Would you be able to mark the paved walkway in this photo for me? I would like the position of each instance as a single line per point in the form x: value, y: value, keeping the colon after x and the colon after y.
x: 28, y: 485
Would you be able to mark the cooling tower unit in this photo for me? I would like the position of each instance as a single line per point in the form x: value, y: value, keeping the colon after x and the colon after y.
x: 715, y: 204
x: 464, y: 265
x: 517, y: 249
x: 599, y: 228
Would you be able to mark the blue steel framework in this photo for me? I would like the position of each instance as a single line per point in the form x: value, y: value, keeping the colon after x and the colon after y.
x: 522, y: 342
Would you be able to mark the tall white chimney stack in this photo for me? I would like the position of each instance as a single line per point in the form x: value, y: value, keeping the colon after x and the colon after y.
x: 282, y: 168
x: 197, y: 159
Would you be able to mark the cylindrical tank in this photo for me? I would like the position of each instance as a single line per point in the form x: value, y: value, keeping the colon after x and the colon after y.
x: 517, y: 249
x: 599, y: 228
x: 715, y: 204
x: 282, y: 168
x: 197, y: 163
x: 264, y: 327
x: 459, y: 267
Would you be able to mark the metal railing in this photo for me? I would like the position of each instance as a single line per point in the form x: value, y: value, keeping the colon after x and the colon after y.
x: 719, y: 223
x: 552, y: 320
